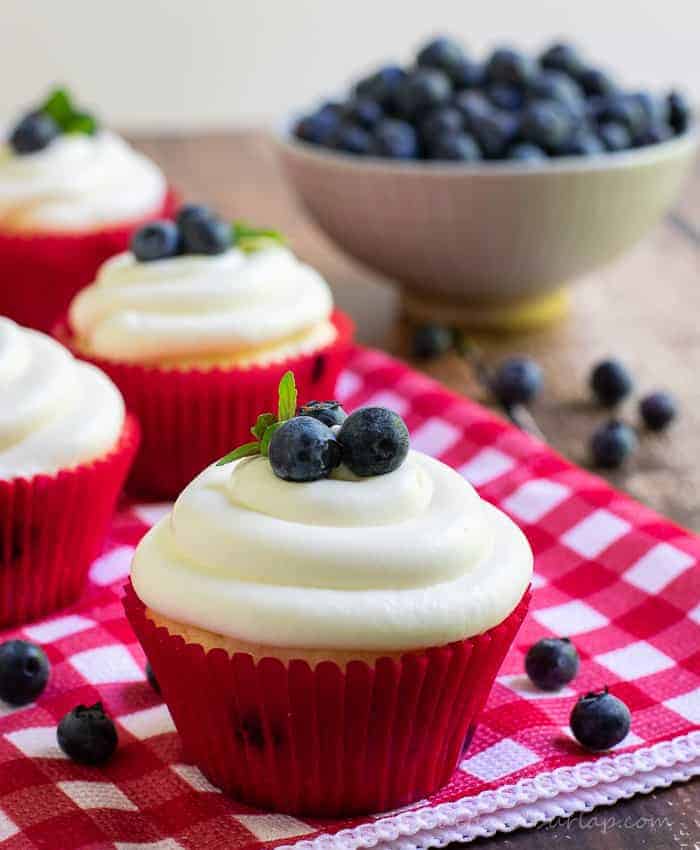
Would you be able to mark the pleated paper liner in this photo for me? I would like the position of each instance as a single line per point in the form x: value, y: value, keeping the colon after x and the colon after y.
x: 191, y: 417
x: 40, y: 273
x: 51, y: 528
x: 327, y: 741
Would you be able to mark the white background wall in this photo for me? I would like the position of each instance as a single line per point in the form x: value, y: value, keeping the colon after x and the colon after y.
x: 165, y: 64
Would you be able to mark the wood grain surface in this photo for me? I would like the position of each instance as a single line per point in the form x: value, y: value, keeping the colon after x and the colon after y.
x: 644, y: 309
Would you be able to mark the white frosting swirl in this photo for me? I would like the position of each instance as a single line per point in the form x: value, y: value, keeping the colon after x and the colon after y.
x: 401, y: 561
x: 56, y: 411
x: 246, y: 307
x: 77, y: 182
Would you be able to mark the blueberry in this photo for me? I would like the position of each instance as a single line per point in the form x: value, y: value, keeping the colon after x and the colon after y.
x: 382, y: 85
x: 33, y: 133
x: 473, y: 105
x: 87, y: 735
x: 442, y: 53
x: 505, y: 96
x: 422, y: 90
x: 548, y: 124
x: 24, y: 672
x: 156, y: 241
x: 654, y: 134
x: 526, y: 152
x: 583, y: 143
x: 600, y: 720
x: 679, y: 111
x: 205, y: 235
x: 395, y: 139
x: 615, y: 137
x: 595, y: 82
x: 304, y: 449
x: 431, y: 341
x: 446, y: 120
x: 375, y: 441
x: 611, y: 382
x: 517, y: 381
x: 555, y: 85
x: 551, y: 663
x: 329, y: 412
x: 495, y: 132
x: 466, y: 74
x: 364, y: 112
x: 562, y: 57
x: 457, y: 147
x: 190, y: 211
x: 626, y: 110
x: 317, y: 128
x: 351, y: 138
x: 151, y: 676
x: 611, y: 444
x: 509, y: 66
x: 656, y: 109
x: 658, y: 410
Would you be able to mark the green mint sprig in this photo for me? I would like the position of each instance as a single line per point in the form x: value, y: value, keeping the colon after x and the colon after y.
x: 267, y: 423
x: 59, y: 106
x: 249, y: 239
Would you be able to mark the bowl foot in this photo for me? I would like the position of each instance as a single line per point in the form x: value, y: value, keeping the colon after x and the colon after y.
x: 512, y: 315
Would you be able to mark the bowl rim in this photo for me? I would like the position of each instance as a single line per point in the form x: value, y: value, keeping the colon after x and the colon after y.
x: 686, y: 142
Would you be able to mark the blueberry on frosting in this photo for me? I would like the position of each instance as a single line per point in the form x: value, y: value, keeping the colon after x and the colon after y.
x: 56, y: 115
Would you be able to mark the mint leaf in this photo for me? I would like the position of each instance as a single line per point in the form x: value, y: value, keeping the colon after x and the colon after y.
x: 58, y: 106
x: 246, y: 450
x: 249, y: 239
x: 262, y: 424
x: 267, y: 436
x: 81, y: 122
x: 287, y: 407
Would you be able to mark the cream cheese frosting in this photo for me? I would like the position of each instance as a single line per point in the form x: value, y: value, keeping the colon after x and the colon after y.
x: 400, y: 561
x: 56, y: 411
x: 234, y: 307
x: 78, y: 182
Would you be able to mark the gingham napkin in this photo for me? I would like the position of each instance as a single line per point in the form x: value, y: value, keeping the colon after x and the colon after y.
x: 618, y: 579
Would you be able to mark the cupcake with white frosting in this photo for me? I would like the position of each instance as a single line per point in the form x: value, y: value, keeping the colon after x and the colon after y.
x: 196, y: 324
x: 66, y: 445
x: 326, y: 610
x: 71, y: 193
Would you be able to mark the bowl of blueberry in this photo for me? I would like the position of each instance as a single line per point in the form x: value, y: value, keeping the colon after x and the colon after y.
x: 484, y: 187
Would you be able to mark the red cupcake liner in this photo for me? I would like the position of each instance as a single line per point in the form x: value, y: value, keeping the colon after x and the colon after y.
x: 325, y: 741
x: 40, y: 273
x: 51, y: 528
x: 191, y: 417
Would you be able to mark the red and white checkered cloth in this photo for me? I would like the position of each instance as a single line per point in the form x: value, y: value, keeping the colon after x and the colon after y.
x: 620, y: 580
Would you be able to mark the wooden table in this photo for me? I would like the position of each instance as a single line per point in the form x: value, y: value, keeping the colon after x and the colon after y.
x: 645, y: 309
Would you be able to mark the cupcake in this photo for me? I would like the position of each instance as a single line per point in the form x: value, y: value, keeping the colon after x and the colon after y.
x: 65, y: 449
x: 71, y: 193
x: 196, y: 325
x: 326, y: 613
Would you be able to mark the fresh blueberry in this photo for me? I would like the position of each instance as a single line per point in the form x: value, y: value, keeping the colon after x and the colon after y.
x: 654, y: 134
x: 505, y: 96
x: 600, y: 720
x: 87, y: 735
x: 431, y: 341
x: 24, y: 672
x: 658, y: 410
x: 382, y: 85
x: 655, y: 108
x: 517, y: 381
x: 350, y: 138
x: 33, y: 133
x: 562, y: 57
x: 156, y: 241
x: 495, y: 132
x: 679, y: 111
x: 615, y: 137
x: 610, y: 382
x: 548, y: 124
x: 318, y: 127
x: 151, y: 676
x: 329, y: 412
x: 583, y: 143
x: 457, y: 147
x: 422, y: 90
x: 473, y: 105
x: 190, y: 211
x: 595, y: 82
x: 509, y: 66
x: 466, y: 74
x: 395, y: 139
x: 303, y: 449
x: 364, y: 112
x: 205, y: 235
x: 611, y: 444
x: 446, y: 120
x: 626, y: 110
x: 551, y: 663
x: 526, y: 152
x: 375, y: 441
x: 442, y: 53
x: 555, y: 85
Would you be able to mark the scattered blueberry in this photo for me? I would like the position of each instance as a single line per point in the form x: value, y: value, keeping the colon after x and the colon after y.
x: 303, y: 449
x: 548, y: 124
x: 506, y: 65
x: 526, y: 152
x: 658, y: 410
x: 156, y: 241
x: 595, y: 82
x: 517, y: 380
x: 679, y: 112
x: 610, y: 382
x: 612, y: 443
x: 431, y: 341
x: 33, y: 133
x: 375, y: 441
x: 203, y: 234
x: 442, y: 53
x: 364, y: 112
x: 24, y: 672
x: 562, y: 57
x: 329, y: 412
x: 599, y: 721
x: 422, y: 90
x: 396, y: 139
x: 87, y: 735
x: 551, y: 663
x: 459, y: 147
x: 351, y: 138
x: 151, y: 676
